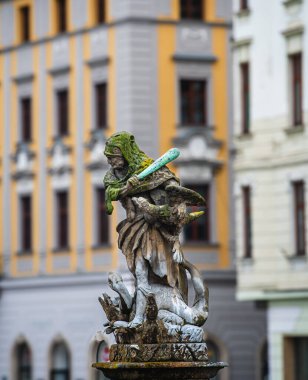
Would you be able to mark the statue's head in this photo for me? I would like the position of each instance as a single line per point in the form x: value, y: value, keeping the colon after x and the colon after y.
x: 121, y: 150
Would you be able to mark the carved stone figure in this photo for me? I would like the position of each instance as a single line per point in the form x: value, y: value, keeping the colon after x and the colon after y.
x: 149, y: 237
x: 158, y: 334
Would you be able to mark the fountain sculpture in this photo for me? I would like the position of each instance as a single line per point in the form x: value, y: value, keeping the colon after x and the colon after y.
x: 157, y: 333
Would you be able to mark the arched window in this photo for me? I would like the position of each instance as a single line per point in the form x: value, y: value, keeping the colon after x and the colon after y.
x: 23, y: 358
x: 60, y: 366
x: 102, y: 355
x: 213, y: 354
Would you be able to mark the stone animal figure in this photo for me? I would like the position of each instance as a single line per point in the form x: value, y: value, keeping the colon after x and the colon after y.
x: 149, y: 239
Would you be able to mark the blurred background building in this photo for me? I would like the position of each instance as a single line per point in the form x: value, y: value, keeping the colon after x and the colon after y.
x: 271, y: 141
x: 71, y: 74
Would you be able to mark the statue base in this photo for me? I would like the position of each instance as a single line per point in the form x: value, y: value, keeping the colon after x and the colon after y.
x: 159, y: 370
x: 162, y: 352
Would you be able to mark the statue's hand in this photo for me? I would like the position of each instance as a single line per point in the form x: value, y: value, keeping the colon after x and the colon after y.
x: 132, y: 182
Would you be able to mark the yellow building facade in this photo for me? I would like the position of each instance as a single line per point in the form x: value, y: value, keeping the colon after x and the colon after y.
x: 71, y: 74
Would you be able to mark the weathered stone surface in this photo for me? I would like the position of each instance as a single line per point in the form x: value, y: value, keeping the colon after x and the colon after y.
x: 161, y: 371
x: 159, y: 352
x: 156, y: 212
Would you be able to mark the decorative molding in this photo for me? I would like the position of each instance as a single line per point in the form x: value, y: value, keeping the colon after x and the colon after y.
x: 297, y: 129
x: 185, y: 133
x: 215, y: 165
x: 194, y: 58
x: 243, y: 13
x: 23, y: 78
x: 22, y: 147
x: 23, y: 158
x: 97, y: 136
x: 125, y: 20
x: 241, y: 43
x: 58, y: 140
x: 60, y: 171
x: 98, y: 61
x: 59, y: 70
x: 293, y: 31
x: 288, y: 3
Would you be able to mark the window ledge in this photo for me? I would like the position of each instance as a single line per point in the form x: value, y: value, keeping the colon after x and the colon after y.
x: 246, y: 262
x: 65, y: 250
x: 24, y: 253
x: 97, y: 247
x: 244, y: 136
x: 288, y: 3
x: 200, y: 244
x: 294, y: 129
x: 243, y: 12
x: 199, y: 127
x: 297, y: 258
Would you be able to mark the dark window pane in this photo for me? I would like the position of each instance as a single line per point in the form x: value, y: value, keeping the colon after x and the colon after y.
x: 296, y: 73
x: 61, y: 15
x: 199, y: 229
x: 299, y: 217
x: 62, y: 219
x: 23, y: 362
x: 246, y: 194
x: 102, y: 218
x: 26, y: 119
x: 100, y: 11
x: 101, y: 105
x: 60, y: 368
x: 63, y: 112
x: 264, y: 363
x: 245, y: 97
x: 192, y: 9
x: 25, y: 23
x: 243, y: 5
x: 300, y: 358
x: 193, y: 102
x: 26, y: 223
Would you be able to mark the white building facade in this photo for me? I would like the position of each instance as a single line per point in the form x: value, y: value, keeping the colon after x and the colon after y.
x: 270, y: 63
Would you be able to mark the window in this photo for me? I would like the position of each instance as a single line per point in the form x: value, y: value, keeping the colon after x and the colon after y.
x: 193, y: 102
x: 101, y: 105
x: 26, y: 119
x: 102, y: 225
x: 63, y: 112
x: 60, y: 367
x: 23, y: 361
x: 26, y: 223
x: 245, y: 97
x: 24, y: 16
x: 295, y: 357
x: 191, y: 9
x: 199, y: 229
x: 100, y: 11
x: 300, y: 358
x: 246, y: 194
x: 299, y: 217
x: 62, y: 220
x: 296, y: 88
x: 61, y: 16
x: 243, y: 5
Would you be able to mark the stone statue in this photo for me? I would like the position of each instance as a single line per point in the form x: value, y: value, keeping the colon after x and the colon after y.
x: 149, y: 239
x: 158, y: 334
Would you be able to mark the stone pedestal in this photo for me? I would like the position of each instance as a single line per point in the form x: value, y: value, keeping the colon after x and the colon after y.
x: 160, y: 370
x: 164, y: 361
